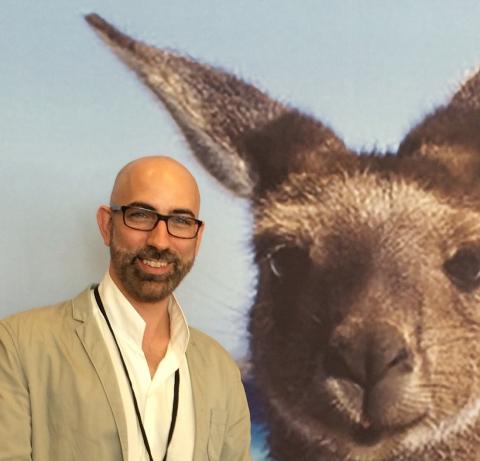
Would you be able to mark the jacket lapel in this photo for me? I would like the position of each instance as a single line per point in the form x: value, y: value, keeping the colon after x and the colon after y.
x: 89, y: 334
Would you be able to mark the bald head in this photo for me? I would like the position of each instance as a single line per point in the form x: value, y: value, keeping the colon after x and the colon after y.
x: 156, y: 179
x: 148, y: 264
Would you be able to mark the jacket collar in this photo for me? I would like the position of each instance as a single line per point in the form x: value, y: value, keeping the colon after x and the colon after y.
x: 90, y: 336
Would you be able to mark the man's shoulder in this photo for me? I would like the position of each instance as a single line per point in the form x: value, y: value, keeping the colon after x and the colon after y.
x: 45, y: 318
x: 209, y: 349
x: 201, y: 339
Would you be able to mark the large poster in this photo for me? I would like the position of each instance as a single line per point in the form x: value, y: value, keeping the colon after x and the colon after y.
x: 345, y: 284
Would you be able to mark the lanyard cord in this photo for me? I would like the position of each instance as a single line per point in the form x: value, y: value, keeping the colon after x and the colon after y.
x: 135, y: 403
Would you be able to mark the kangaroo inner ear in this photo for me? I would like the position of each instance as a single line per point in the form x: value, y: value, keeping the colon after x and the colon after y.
x: 292, y: 142
x: 450, y: 135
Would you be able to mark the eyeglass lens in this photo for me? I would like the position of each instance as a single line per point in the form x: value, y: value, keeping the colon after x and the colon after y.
x: 177, y: 225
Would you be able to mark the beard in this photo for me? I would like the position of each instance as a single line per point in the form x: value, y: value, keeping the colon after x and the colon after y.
x: 142, y: 286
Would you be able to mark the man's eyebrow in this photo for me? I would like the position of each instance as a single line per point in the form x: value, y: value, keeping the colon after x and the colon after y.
x: 147, y: 206
x: 183, y: 211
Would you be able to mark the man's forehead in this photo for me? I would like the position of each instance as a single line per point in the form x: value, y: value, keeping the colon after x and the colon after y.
x: 160, y: 181
x: 163, y: 210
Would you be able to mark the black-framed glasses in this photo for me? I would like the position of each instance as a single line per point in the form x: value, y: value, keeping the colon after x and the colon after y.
x: 143, y: 219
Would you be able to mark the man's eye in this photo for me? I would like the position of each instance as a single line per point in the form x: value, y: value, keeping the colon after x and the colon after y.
x: 139, y: 215
x: 183, y: 221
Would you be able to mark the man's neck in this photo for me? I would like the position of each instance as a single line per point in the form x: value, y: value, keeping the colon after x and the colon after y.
x: 157, y: 333
x: 155, y: 316
x: 157, y: 327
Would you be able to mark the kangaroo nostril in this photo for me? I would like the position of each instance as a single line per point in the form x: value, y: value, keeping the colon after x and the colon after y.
x: 336, y: 364
x: 402, y: 356
x: 368, y: 355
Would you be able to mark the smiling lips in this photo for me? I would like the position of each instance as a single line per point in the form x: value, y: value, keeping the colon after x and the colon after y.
x: 156, y: 265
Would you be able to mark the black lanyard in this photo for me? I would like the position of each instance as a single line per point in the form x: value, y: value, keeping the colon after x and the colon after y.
x: 135, y: 404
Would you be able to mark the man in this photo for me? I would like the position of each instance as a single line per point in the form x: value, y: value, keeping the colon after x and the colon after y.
x: 115, y: 373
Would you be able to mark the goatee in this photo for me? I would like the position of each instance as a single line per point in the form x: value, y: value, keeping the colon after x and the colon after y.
x: 143, y: 286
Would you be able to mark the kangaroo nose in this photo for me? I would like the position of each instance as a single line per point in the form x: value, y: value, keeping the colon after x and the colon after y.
x: 368, y: 354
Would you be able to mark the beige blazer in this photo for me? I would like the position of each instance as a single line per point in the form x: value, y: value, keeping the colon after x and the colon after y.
x: 59, y: 399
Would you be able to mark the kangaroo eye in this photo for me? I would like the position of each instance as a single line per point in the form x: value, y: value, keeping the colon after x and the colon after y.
x: 287, y: 260
x: 464, y: 268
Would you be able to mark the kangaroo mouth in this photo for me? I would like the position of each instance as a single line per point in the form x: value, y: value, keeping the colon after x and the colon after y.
x: 366, y: 434
x: 371, y: 417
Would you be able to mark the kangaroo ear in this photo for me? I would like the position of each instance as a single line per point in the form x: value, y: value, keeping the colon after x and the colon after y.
x: 244, y: 138
x: 451, y: 135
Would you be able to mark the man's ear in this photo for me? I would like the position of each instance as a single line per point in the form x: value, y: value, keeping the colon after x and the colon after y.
x: 104, y: 221
x: 199, y: 238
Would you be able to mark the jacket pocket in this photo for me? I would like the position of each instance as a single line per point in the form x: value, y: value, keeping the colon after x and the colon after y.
x: 218, y: 420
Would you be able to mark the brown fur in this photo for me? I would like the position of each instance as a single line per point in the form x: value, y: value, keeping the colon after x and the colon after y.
x: 365, y: 329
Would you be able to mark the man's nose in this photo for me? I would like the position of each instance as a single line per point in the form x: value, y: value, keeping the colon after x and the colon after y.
x: 159, y: 236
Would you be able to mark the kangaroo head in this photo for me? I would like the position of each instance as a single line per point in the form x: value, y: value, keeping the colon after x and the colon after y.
x: 366, y: 324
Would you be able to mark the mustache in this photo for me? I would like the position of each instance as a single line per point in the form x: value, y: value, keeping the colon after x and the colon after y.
x: 152, y: 253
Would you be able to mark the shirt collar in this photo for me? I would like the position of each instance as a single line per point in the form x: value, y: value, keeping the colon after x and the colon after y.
x: 128, y: 323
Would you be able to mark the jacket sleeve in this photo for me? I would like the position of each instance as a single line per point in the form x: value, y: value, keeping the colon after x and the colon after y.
x: 237, y: 437
x: 15, y: 417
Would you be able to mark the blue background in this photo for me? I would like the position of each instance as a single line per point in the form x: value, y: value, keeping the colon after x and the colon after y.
x: 71, y: 115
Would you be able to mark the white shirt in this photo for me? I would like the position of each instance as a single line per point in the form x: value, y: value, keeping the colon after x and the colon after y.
x: 154, y: 395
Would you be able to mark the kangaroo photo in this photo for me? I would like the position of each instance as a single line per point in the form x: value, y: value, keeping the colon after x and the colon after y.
x: 364, y: 332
